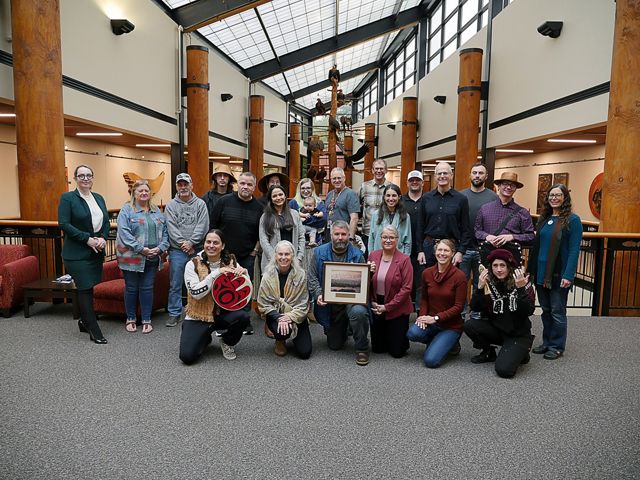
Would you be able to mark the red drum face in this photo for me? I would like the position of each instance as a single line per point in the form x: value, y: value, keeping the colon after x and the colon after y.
x: 231, y: 292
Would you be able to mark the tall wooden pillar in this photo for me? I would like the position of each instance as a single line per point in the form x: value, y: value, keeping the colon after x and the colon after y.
x: 409, y: 139
x: 294, y: 158
x: 369, y: 139
x: 348, y: 151
x: 333, y: 156
x: 198, y: 117
x: 620, y: 210
x: 468, y: 114
x: 37, y: 78
x: 256, y: 135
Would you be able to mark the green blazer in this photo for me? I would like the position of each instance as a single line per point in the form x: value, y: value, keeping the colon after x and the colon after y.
x: 74, y: 218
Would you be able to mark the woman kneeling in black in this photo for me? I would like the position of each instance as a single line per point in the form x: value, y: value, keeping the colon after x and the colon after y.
x: 510, y: 302
x: 203, y: 315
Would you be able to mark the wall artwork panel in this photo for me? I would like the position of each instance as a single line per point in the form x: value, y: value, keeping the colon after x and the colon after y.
x: 562, y: 178
x: 544, y: 184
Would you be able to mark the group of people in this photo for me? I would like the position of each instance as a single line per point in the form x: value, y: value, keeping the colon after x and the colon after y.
x: 421, y: 250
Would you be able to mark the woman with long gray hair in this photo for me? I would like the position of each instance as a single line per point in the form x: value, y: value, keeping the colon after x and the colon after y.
x: 283, y: 301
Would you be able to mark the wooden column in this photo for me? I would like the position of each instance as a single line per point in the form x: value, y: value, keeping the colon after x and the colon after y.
x: 333, y: 156
x: 409, y: 139
x: 256, y: 135
x: 294, y: 158
x: 37, y: 78
x: 369, y: 139
x: 198, y: 117
x: 348, y: 150
x: 620, y: 210
x: 468, y: 114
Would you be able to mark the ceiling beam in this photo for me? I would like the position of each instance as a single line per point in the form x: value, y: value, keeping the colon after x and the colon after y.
x: 192, y: 16
x: 325, y: 83
x: 334, y: 44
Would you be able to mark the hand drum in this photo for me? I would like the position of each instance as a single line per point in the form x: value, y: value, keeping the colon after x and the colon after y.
x: 231, y: 292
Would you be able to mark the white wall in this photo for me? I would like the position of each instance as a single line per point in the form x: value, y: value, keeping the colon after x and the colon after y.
x: 582, y: 164
x: 390, y: 141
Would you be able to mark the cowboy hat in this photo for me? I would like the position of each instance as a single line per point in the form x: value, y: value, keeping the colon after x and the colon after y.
x: 509, y: 177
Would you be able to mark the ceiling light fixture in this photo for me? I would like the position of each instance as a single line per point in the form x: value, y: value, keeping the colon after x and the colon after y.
x: 392, y: 126
x: 219, y: 158
x: 512, y: 150
x: 98, y: 134
x: 567, y: 140
x: 550, y: 29
x: 236, y: 161
x: 7, y: 115
x: 151, y: 145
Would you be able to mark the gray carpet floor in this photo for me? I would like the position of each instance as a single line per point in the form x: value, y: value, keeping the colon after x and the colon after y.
x: 70, y: 409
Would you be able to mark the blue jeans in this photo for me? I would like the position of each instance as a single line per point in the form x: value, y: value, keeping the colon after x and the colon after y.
x: 438, y: 341
x: 139, y: 286
x: 248, y: 262
x: 177, y: 261
x: 470, y: 265
x: 554, y: 316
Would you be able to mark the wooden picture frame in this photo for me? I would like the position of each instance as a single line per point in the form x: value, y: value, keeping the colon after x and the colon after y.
x: 346, y: 283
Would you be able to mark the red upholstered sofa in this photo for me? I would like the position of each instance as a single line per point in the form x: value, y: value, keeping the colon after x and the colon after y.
x: 17, y: 268
x: 108, y: 295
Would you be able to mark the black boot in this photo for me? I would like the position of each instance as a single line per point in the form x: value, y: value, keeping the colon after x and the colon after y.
x: 488, y: 354
x: 88, y: 316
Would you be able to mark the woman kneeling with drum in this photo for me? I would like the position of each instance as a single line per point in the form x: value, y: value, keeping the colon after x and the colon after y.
x: 217, y: 289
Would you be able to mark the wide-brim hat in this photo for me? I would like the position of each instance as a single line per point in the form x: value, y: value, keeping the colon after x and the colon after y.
x: 509, y: 177
x: 223, y: 168
x: 262, y: 183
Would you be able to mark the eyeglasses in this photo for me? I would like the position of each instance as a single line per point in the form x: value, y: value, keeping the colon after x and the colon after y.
x: 87, y: 176
x: 508, y: 185
x: 556, y: 195
x: 442, y: 174
x: 388, y: 239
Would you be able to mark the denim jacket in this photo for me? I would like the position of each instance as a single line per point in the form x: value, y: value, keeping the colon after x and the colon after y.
x: 133, y: 236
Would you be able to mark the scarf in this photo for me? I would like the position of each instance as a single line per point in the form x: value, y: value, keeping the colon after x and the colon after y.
x: 552, y: 256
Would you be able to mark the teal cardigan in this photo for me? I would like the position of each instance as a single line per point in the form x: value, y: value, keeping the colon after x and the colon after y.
x: 74, y: 218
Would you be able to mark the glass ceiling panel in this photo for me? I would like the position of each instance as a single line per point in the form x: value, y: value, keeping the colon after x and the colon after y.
x: 241, y: 37
x: 356, y: 13
x: 347, y: 87
x: 294, y: 24
x: 359, y: 55
x: 176, y: 3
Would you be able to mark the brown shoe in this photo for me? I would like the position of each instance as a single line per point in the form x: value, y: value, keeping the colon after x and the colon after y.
x: 362, y: 358
x: 267, y: 332
x: 281, y: 348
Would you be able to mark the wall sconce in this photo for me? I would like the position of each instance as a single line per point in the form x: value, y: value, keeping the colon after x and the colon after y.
x: 361, y: 140
x: 392, y: 126
x: 225, y: 97
x: 440, y: 99
x: 273, y: 124
x: 550, y: 29
x: 118, y: 27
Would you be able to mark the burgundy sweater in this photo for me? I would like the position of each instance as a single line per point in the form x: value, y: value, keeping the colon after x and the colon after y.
x: 445, y: 297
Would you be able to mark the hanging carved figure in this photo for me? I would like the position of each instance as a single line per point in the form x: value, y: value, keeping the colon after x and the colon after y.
x: 346, y: 122
x: 320, y: 107
x: 340, y: 97
x: 359, y: 155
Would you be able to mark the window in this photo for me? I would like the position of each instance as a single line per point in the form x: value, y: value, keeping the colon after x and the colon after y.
x: 400, y: 72
x: 368, y: 102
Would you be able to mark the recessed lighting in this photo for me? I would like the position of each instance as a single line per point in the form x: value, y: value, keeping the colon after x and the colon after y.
x: 512, y: 150
x: 7, y: 115
x: 143, y: 145
x: 98, y: 134
x: 219, y: 158
x: 236, y: 161
x: 567, y: 140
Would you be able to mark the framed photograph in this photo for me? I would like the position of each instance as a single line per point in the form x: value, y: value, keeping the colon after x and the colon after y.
x: 346, y: 283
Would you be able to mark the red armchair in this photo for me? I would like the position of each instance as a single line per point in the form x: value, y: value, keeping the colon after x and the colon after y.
x: 108, y: 295
x: 17, y: 268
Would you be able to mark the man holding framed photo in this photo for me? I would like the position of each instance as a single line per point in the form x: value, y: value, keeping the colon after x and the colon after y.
x: 336, y: 318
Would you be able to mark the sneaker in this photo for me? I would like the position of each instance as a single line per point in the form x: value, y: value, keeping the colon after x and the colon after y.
x: 552, y: 354
x: 455, y: 350
x: 228, y: 351
x: 173, y: 321
x: 281, y: 348
x: 248, y: 330
x: 540, y: 349
x: 362, y: 358
x: 487, y: 355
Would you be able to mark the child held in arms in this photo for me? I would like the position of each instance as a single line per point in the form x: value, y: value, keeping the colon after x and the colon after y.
x: 309, y: 207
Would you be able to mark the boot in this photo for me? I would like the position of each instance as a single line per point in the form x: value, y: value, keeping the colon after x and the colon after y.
x: 281, y: 348
x: 488, y: 354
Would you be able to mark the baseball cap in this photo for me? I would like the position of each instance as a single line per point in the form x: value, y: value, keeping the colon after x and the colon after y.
x: 184, y: 176
x: 414, y: 174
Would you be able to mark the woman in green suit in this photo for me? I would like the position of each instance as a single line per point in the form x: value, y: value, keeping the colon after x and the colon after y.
x: 83, y: 217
